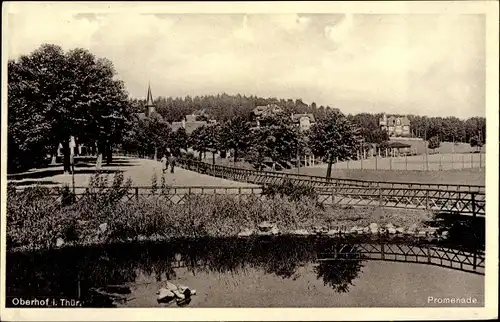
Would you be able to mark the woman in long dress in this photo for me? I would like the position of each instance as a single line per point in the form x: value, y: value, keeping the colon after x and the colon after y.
x: 164, y: 163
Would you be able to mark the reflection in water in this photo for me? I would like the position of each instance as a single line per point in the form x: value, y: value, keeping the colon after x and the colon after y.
x: 339, y: 273
x: 78, y: 272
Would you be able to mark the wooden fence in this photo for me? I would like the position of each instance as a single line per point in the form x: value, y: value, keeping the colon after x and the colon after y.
x: 270, y: 177
x: 454, y: 201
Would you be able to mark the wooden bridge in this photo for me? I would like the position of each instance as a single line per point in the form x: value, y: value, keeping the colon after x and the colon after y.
x: 472, y: 262
x: 271, y: 177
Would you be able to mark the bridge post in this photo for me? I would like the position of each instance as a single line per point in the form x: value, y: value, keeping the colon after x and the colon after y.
x: 427, y: 200
x: 474, y: 220
x: 136, y: 193
x: 189, y: 202
x: 380, y: 202
x: 428, y: 254
x: 382, y: 251
x: 473, y: 201
x: 239, y: 197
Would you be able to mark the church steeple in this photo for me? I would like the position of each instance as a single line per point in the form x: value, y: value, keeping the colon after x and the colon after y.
x: 150, y: 106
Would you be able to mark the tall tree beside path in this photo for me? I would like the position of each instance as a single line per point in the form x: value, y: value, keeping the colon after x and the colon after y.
x: 63, y: 95
x: 198, y: 141
x: 280, y: 137
x: 235, y: 135
x: 178, y: 140
x: 214, y: 143
x: 334, y: 137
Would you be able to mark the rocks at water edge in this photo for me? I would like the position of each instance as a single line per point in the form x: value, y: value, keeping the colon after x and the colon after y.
x: 171, y: 291
x: 320, y: 230
x: 333, y: 232
x: 300, y: 232
x: 103, y: 227
x: 390, y: 229
x: 165, y: 295
x: 412, y: 229
x: 59, y: 242
x: 266, y: 228
x: 246, y: 232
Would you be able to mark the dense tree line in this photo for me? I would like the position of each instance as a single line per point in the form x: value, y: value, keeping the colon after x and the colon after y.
x: 53, y: 95
x: 224, y: 107
x: 449, y: 129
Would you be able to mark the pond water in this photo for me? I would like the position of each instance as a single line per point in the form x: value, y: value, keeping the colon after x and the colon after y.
x: 236, y: 272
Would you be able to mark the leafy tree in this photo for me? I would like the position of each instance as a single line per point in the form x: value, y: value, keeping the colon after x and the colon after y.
x: 178, y: 141
x: 235, y: 135
x: 213, y: 139
x: 61, y: 95
x: 475, y: 141
x: 368, y: 127
x: 282, y: 138
x: 206, y: 138
x: 259, y: 147
x: 148, y: 136
x: 334, y: 137
x: 198, y: 140
x: 434, y: 143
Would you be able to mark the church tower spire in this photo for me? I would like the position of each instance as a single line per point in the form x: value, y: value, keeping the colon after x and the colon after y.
x: 150, y: 106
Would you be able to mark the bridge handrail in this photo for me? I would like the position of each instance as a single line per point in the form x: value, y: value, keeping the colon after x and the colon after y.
x: 192, y: 163
x: 326, y: 189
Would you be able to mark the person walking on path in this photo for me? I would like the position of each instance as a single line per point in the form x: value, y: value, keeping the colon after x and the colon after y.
x: 171, y: 161
x: 164, y: 163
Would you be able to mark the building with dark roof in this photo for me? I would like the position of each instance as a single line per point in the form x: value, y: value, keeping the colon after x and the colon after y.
x: 190, y: 123
x: 395, y: 125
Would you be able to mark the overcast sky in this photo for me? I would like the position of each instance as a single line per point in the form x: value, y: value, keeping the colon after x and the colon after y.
x: 421, y: 64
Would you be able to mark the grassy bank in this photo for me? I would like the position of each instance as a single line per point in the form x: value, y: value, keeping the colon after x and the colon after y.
x: 36, y: 219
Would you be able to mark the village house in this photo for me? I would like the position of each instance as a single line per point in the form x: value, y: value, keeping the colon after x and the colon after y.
x: 395, y: 125
x: 304, y: 121
x: 190, y: 123
x: 263, y: 111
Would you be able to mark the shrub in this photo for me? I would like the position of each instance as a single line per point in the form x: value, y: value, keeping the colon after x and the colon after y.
x: 67, y: 196
x: 34, y: 218
x: 434, y: 143
x: 292, y: 190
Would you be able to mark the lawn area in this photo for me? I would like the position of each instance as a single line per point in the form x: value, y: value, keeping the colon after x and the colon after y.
x: 431, y: 162
x: 140, y: 171
x: 445, y: 147
x: 465, y: 176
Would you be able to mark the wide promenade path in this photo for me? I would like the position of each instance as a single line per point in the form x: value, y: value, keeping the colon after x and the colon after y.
x: 140, y: 171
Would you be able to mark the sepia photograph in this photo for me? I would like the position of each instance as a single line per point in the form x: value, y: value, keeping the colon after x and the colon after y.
x: 249, y: 156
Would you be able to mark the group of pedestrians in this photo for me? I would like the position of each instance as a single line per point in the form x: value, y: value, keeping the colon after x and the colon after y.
x: 166, y: 161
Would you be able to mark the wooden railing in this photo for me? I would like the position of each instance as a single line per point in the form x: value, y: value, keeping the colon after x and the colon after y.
x: 269, y: 177
x: 454, y: 201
